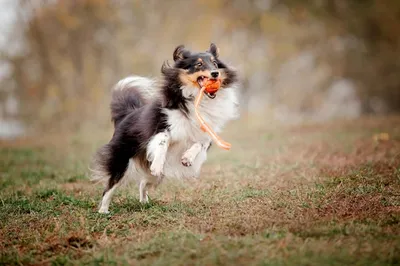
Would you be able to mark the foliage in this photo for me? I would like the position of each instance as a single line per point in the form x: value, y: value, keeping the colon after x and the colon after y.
x: 74, y: 51
x: 373, y: 49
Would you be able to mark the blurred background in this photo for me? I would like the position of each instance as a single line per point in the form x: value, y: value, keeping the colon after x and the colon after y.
x: 300, y: 60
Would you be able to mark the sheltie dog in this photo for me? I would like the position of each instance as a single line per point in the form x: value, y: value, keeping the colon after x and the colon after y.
x: 156, y: 134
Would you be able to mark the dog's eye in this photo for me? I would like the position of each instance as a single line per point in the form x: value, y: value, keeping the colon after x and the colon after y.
x: 199, y: 64
x: 215, y: 64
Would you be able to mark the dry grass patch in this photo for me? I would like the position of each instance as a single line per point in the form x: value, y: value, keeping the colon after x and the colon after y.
x: 307, y: 195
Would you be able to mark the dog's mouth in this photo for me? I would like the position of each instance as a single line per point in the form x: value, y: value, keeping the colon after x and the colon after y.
x: 202, y: 81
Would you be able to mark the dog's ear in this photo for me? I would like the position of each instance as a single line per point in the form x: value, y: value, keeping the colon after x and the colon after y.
x: 165, y: 66
x: 180, y: 53
x: 214, y: 50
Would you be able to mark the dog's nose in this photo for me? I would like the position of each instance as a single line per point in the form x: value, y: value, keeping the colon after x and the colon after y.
x: 214, y: 73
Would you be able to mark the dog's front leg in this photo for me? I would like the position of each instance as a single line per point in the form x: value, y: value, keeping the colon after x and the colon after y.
x: 190, y: 155
x: 157, y: 152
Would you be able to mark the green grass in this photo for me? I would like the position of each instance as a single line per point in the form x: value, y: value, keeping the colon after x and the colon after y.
x: 306, y: 195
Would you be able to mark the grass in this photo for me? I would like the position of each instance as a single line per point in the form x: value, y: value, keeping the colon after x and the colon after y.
x: 325, y: 194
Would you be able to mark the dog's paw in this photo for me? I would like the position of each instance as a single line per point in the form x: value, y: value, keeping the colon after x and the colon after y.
x: 156, y: 170
x: 186, y: 161
x: 103, y: 210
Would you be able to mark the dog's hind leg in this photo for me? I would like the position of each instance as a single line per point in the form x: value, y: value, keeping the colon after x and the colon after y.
x: 106, y: 200
x: 117, y: 164
x: 143, y: 193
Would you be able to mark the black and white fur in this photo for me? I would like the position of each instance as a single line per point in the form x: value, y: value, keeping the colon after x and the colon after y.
x: 156, y: 132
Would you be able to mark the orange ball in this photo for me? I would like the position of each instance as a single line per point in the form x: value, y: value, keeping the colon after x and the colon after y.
x: 212, y: 85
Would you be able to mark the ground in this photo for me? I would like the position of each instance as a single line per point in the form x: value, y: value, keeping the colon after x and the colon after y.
x: 315, y: 194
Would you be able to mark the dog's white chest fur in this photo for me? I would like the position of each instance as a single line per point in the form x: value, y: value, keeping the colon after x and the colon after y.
x: 216, y: 112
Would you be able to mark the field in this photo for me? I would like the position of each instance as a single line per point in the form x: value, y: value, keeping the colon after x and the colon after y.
x: 315, y: 194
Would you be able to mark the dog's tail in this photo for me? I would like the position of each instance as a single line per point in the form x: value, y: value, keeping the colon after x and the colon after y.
x: 129, y: 94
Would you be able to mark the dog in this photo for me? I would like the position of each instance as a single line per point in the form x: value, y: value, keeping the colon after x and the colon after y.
x: 156, y: 134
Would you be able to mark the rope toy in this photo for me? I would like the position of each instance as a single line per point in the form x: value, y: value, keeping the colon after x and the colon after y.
x: 211, y: 86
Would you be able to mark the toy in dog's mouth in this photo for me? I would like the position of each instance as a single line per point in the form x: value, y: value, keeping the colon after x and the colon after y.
x: 209, y: 86
x: 210, y: 90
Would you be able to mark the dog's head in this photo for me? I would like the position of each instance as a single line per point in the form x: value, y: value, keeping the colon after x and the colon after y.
x: 195, y: 68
